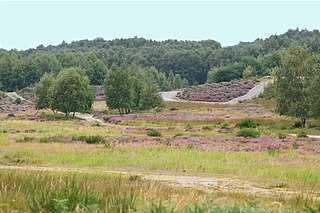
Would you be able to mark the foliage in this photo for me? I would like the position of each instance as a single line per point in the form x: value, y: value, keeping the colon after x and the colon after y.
x: 302, y: 134
x: 250, y: 133
x: 293, y: 81
x: 71, y: 92
x: 154, y: 133
x: 18, y: 101
x: 128, y: 88
x: 269, y: 92
x: 42, y: 91
x: 282, y: 135
x: 189, y: 61
x: 295, y: 145
x: 94, y: 139
x: 246, y: 123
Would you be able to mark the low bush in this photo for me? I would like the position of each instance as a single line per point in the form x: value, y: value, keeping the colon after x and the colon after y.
x: 206, y: 128
x: 246, y: 123
x: 11, y: 115
x: 178, y: 134
x: 154, y: 133
x: 248, y: 133
x: 302, y: 134
x: 297, y: 124
x: 18, y: 101
x: 282, y: 135
x: 225, y: 126
x: 173, y: 108
x: 94, y: 139
x: 295, y: 145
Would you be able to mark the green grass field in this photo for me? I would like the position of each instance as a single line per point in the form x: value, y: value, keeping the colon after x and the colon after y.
x: 36, y: 140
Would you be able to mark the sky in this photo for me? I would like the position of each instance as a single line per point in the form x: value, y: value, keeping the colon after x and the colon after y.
x: 26, y: 24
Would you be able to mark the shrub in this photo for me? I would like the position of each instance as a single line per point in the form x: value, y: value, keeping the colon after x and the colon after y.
x: 18, y: 101
x: 206, y: 128
x: 246, y: 123
x: 282, y: 135
x: 273, y: 152
x: 173, y: 109
x: 178, y: 134
x: 95, y: 139
x: 11, y: 115
x: 248, y: 133
x: 225, y: 126
x: 302, y: 134
x: 297, y: 124
x: 295, y: 145
x: 154, y: 133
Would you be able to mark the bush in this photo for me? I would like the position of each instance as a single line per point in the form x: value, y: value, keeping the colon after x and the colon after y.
x: 297, y: 124
x: 173, y: 109
x: 302, y: 134
x: 295, y: 145
x: 11, y: 115
x: 95, y: 139
x: 18, y: 101
x: 154, y: 133
x: 269, y: 92
x: 178, y: 134
x: 206, y: 128
x: 248, y: 133
x: 282, y: 135
x: 225, y: 126
x: 246, y: 123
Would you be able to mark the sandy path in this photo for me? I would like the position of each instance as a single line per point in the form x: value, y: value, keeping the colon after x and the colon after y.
x: 253, y: 93
x: 206, y: 184
x: 14, y: 96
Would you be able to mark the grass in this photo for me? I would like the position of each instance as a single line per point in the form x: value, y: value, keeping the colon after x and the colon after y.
x: 48, y: 146
x: 242, y: 164
x: 93, y: 192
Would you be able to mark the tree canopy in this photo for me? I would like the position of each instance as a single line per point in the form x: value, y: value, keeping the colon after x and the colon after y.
x: 189, y: 62
x: 296, y: 83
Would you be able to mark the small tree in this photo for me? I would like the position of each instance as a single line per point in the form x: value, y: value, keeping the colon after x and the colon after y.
x: 71, y: 92
x: 151, y: 97
x: 128, y: 88
x: 119, y: 89
x: 293, y: 82
x: 41, y: 91
x: 247, y: 72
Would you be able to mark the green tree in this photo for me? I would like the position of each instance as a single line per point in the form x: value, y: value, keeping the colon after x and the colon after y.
x: 42, y: 92
x: 128, y: 88
x: 71, y: 92
x: 293, y: 82
x: 247, y: 72
x: 151, y: 97
x: 119, y: 89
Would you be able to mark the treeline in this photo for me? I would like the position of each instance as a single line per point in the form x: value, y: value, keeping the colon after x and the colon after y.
x: 17, y: 72
x: 194, y: 62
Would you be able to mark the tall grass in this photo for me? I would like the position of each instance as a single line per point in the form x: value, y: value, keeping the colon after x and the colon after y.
x: 74, y: 192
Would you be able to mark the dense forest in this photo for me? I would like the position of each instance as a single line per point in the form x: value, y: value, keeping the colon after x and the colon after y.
x: 171, y: 63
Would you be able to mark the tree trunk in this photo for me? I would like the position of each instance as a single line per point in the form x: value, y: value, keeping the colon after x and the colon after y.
x: 74, y: 113
x: 303, y: 122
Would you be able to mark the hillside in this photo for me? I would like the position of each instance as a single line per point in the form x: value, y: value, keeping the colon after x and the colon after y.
x: 176, y: 62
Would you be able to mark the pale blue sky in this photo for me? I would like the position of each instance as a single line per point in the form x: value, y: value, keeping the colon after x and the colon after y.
x: 27, y: 24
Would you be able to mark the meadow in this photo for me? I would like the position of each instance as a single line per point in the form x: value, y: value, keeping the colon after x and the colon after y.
x: 137, y: 162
